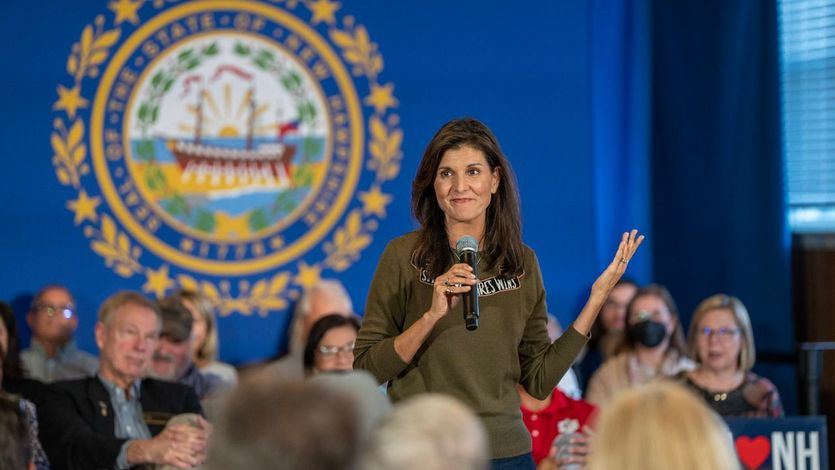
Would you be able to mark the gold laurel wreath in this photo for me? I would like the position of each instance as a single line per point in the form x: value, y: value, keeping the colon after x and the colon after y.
x: 358, y: 50
x: 114, y: 246
x: 261, y: 297
x: 347, y: 243
x: 91, y: 50
x: 70, y: 153
x: 351, y: 239
x: 385, y: 150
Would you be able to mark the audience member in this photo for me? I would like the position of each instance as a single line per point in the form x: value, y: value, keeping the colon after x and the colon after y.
x: 722, y: 343
x: 52, y: 354
x: 10, y: 343
x: 15, y: 437
x: 330, y: 344
x: 653, y: 347
x: 13, y: 380
x: 607, y: 331
x: 205, y: 342
x: 269, y: 424
x: 371, y: 403
x: 661, y: 426
x: 428, y: 432
x: 325, y: 297
x: 172, y: 359
x: 27, y: 416
x: 117, y: 418
x: 547, y: 419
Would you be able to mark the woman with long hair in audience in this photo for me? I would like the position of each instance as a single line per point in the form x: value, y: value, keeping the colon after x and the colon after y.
x: 414, y: 335
x: 12, y: 364
x: 653, y: 347
x: 8, y: 342
x: 607, y: 332
x: 722, y: 343
x: 661, y: 426
x: 330, y: 344
x: 204, y: 331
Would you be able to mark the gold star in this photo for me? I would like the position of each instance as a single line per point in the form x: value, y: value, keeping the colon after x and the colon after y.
x: 323, y: 10
x: 84, y: 207
x: 70, y: 100
x: 125, y: 10
x: 308, y: 275
x: 374, y: 201
x: 158, y: 281
x: 381, y: 97
x: 187, y: 244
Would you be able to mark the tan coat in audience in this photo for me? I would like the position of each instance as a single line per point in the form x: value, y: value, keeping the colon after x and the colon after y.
x: 624, y: 371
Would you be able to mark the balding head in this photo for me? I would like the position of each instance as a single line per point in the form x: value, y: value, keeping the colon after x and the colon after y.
x: 326, y: 297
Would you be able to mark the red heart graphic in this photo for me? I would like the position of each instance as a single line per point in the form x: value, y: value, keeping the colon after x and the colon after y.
x: 753, y: 452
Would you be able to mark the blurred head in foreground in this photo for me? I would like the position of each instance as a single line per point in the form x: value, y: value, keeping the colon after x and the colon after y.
x: 270, y: 424
x: 660, y: 426
x: 428, y: 432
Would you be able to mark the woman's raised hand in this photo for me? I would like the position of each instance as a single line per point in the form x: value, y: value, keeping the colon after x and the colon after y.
x: 629, y: 243
x: 458, y: 280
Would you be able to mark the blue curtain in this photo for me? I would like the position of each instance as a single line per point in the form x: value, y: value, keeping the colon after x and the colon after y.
x: 718, y: 207
x: 620, y: 102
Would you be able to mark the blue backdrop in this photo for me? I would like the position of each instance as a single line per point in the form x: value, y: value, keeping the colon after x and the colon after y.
x: 566, y: 86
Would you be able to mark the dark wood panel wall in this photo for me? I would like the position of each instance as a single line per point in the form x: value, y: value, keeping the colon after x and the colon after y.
x: 813, y: 274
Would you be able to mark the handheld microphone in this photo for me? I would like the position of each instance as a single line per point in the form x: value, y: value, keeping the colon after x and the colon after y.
x: 467, y: 248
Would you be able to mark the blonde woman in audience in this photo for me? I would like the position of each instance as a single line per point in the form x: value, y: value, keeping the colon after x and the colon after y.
x: 722, y: 343
x: 661, y: 426
x: 204, y: 331
x: 653, y: 347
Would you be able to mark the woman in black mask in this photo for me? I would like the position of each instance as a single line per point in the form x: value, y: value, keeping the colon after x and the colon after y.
x: 653, y: 347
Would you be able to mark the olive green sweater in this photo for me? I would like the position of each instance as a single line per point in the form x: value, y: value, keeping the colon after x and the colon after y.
x: 479, y: 367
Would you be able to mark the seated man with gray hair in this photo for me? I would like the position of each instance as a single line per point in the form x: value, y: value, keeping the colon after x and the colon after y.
x: 328, y: 296
x: 117, y: 419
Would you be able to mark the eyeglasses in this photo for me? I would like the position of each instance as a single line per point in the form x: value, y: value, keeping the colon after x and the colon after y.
x: 66, y: 311
x: 722, y: 333
x: 330, y: 351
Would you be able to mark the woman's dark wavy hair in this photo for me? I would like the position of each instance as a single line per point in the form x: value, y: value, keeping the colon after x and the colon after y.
x: 317, y: 332
x: 12, y: 365
x: 502, y: 244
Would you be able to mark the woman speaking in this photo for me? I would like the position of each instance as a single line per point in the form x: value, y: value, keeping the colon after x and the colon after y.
x: 413, y: 335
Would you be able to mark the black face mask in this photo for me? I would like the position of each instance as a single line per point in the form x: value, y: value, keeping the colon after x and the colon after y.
x: 649, y: 333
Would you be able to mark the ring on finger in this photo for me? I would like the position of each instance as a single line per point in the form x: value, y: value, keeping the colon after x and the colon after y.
x: 624, y: 260
x: 446, y: 282
x: 448, y: 290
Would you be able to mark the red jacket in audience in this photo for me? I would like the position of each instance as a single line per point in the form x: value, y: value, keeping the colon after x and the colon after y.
x: 545, y: 424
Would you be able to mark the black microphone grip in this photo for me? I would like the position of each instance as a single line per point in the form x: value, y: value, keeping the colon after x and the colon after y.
x: 470, y: 299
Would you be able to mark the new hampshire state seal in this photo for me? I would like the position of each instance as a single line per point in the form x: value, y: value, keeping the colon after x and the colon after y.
x: 238, y: 149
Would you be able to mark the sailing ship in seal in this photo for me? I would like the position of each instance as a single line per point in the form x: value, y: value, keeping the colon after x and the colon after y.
x: 214, y: 167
